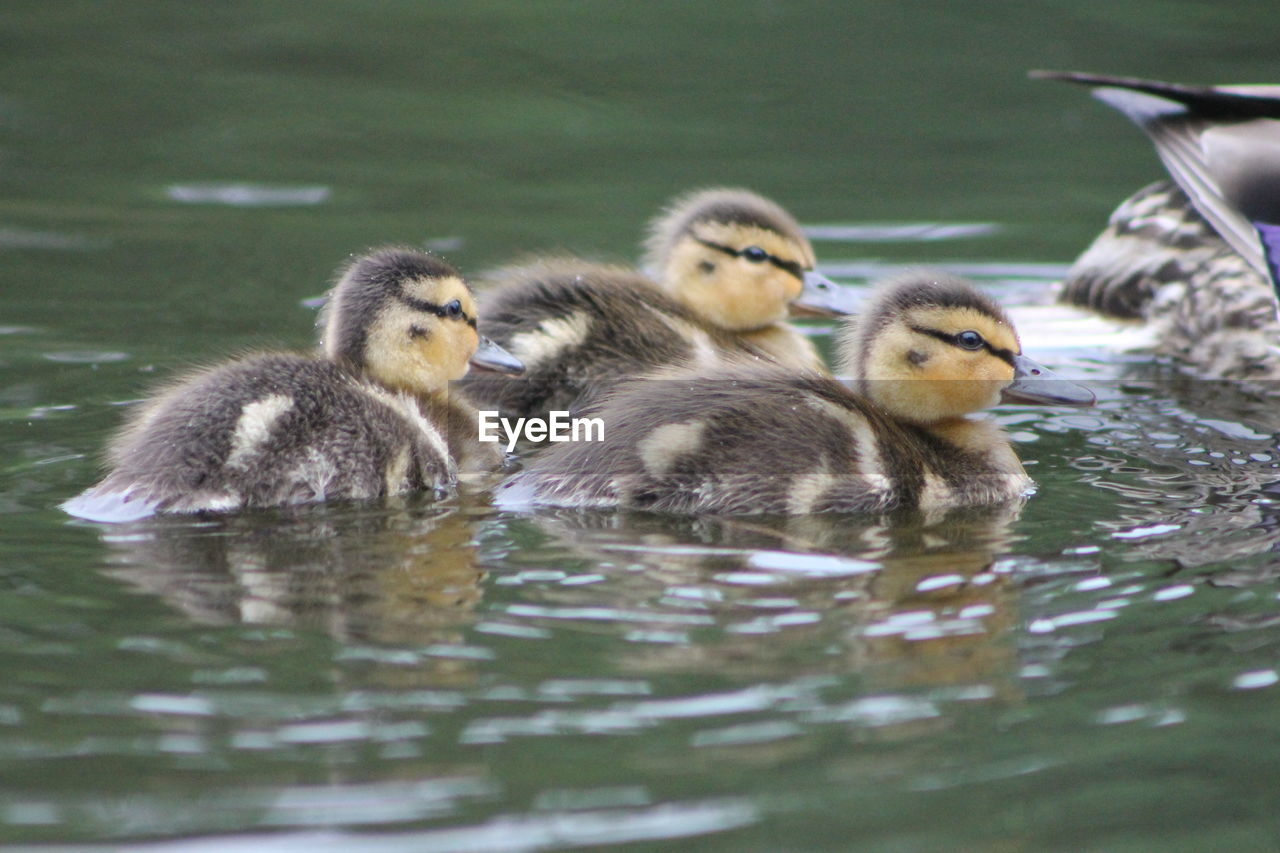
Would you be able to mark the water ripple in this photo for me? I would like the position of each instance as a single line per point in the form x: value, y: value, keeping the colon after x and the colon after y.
x: 738, y: 702
x: 876, y: 270
x: 86, y: 356
x: 500, y: 835
x: 810, y: 565
x: 914, y: 232
x: 248, y: 195
x: 1255, y: 679
x: 27, y: 238
x: 606, y: 614
x: 748, y: 733
x: 878, y: 711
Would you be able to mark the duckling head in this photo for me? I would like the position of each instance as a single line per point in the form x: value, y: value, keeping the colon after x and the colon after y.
x: 407, y: 320
x: 738, y: 260
x: 930, y: 348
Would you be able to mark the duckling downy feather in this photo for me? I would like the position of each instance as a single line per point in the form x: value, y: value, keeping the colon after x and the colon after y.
x: 365, y: 417
x: 755, y: 438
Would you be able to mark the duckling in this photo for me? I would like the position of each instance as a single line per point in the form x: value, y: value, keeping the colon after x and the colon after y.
x: 728, y: 265
x: 929, y: 350
x: 742, y: 263
x: 366, y: 416
x: 1197, y: 257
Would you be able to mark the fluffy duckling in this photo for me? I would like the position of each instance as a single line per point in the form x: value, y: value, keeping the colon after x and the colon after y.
x: 1196, y: 257
x: 729, y: 267
x: 928, y: 351
x: 367, y: 416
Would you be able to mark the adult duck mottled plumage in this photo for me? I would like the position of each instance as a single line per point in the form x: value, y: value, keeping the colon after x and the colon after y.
x: 1196, y: 257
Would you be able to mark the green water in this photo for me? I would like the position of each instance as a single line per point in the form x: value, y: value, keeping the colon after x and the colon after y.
x: 1098, y: 671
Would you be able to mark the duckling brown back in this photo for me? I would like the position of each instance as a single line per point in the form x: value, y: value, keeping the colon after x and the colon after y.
x: 728, y: 266
x: 270, y: 429
x: 757, y: 439
x: 578, y: 327
x: 285, y: 428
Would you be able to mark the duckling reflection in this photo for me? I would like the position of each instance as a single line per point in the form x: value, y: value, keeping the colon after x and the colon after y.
x: 395, y: 576
x: 908, y: 599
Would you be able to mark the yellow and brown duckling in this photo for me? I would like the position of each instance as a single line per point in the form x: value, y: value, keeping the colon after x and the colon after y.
x: 728, y: 268
x: 928, y: 351
x: 1196, y: 257
x: 367, y: 416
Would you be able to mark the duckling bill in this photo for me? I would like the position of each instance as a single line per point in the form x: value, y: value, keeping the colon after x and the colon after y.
x: 367, y: 416
x: 929, y: 351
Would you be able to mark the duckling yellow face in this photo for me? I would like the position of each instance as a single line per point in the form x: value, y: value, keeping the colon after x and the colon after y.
x: 740, y: 277
x: 734, y: 258
x: 404, y: 318
x: 930, y: 350
x: 942, y: 363
x: 425, y: 337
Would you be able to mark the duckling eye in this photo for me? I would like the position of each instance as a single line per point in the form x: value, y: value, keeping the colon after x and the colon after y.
x: 755, y: 254
x: 969, y: 340
x: 452, y: 309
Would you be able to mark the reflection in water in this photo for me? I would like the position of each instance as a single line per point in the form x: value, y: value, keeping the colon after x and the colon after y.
x: 869, y: 624
x: 719, y: 649
x: 701, y: 647
x: 906, y: 601
x: 399, y: 574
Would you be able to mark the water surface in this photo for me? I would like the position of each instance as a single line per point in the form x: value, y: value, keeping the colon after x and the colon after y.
x: 1094, y: 670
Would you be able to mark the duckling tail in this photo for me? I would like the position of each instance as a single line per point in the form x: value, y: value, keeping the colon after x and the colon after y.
x: 109, y: 505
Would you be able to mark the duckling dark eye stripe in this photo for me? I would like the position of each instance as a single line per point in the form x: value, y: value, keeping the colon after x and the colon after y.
x: 787, y: 266
x: 999, y: 352
x: 1003, y: 354
x: 432, y: 308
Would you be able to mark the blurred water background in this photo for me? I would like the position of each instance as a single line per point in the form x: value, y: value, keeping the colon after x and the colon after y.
x: 1097, y: 671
